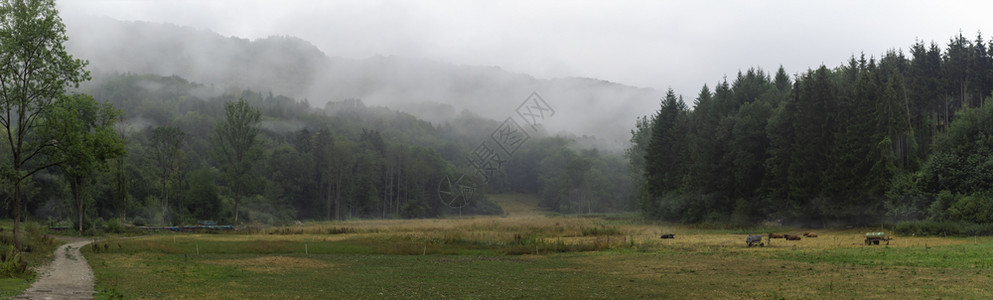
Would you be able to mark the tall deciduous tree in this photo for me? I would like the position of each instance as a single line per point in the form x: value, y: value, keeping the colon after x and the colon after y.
x: 323, y: 145
x: 85, y: 138
x: 166, y: 152
x: 35, y: 71
x: 237, y: 146
x: 120, y: 177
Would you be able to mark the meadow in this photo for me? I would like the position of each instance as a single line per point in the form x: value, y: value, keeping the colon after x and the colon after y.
x: 528, y: 254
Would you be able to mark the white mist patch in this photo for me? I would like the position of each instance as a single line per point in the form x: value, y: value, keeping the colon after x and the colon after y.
x: 133, y: 125
x: 206, y: 92
x: 282, y: 127
x: 150, y: 85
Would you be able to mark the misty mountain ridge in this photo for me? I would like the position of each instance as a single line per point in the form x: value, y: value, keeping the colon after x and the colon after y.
x: 431, y: 90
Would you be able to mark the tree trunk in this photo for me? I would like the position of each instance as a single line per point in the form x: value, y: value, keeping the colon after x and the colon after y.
x: 79, y: 201
x: 165, y: 208
x: 387, y: 178
x: 17, y: 213
x: 327, y: 198
x: 237, y: 201
x: 124, y: 210
x: 399, y: 180
x: 179, y: 211
x: 337, y: 199
x: 165, y: 198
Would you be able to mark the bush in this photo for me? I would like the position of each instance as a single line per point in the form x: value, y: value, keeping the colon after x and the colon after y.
x: 928, y: 228
x: 600, y: 230
x: 11, y: 262
x: 113, y: 226
x: 38, y: 247
x: 484, y: 206
x: 977, y: 229
x: 943, y: 228
x: 341, y: 230
x: 975, y: 208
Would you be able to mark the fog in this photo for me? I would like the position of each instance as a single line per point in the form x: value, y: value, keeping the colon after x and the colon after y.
x: 430, y: 89
x: 599, y: 64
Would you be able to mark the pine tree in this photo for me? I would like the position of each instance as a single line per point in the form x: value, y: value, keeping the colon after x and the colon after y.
x: 817, y: 112
x: 665, y: 162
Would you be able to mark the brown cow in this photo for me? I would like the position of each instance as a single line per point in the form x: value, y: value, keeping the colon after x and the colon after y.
x: 810, y: 234
x: 790, y: 237
x: 776, y: 236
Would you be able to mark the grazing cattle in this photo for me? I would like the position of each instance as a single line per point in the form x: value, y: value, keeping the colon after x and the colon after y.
x: 810, y: 234
x: 668, y: 236
x: 776, y: 236
x: 754, y: 239
x: 790, y: 237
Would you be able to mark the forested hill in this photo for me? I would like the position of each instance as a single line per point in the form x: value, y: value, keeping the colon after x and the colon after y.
x: 904, y: 136
x: 342, y: 160
x: 295, y: 68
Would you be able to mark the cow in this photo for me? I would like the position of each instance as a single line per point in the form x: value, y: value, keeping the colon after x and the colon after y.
x: 754, y: 239
x: 775, y: 236
x: 790, y: 237
x: 668, y: 236
x: 810, y: 234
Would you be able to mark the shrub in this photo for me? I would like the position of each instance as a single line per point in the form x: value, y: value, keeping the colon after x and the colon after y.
x: 484, y: 206
x: 286, y: 231
x: 975, y: 208
x: 341, y: 230
x: 113, y: 226
x: 943, y: 228
x: 11, y: 262
x: 600, y: 230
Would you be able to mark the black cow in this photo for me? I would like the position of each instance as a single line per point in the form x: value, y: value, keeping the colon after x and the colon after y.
x: 668, y: 236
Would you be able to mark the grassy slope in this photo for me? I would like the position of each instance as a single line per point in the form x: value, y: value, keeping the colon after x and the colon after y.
x: 517, y: 204
x: 465, y: 259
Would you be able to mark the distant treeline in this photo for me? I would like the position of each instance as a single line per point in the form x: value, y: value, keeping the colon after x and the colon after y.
x: 345, y: 160
x: 873, y: 140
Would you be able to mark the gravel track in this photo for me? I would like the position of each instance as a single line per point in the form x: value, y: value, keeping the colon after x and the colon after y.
x: 68, y: 276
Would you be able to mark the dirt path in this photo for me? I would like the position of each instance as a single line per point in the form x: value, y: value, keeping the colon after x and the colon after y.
x: 67, y: 277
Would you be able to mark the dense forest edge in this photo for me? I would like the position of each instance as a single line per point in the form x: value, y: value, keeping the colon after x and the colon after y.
x: 896, y: 139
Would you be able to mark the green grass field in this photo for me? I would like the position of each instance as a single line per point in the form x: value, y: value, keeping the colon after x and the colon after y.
x: 528, y: 255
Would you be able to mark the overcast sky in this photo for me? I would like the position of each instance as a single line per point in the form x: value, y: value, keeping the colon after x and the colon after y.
x: 658, y: 44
